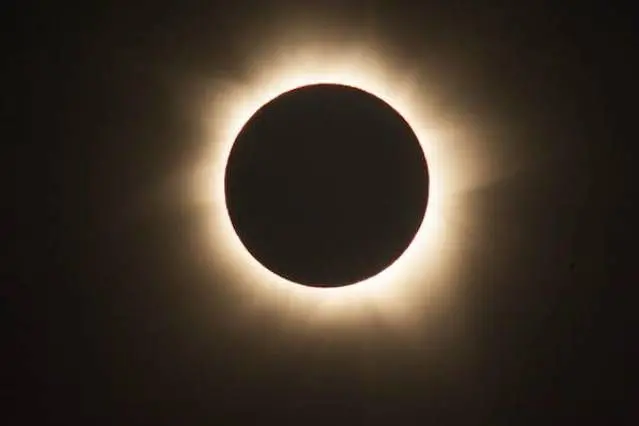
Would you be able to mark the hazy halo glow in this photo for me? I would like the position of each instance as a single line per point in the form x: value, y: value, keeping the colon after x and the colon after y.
x: 428, y: 261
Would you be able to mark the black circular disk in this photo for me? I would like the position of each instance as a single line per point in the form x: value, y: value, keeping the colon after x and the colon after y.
x: 326, y: 185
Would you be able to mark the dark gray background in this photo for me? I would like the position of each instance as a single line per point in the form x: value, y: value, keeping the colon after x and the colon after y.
x: 102, y: 329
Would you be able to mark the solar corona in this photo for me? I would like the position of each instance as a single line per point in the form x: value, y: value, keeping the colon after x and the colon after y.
x: 429, y: 259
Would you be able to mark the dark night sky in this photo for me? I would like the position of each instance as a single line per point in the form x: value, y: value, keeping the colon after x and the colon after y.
x: 101, y: 287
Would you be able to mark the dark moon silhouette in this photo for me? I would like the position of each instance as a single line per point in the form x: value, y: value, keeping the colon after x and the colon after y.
x: 326, y: 185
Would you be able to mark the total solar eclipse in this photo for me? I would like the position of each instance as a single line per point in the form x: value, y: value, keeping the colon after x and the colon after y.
x: 326, y: 185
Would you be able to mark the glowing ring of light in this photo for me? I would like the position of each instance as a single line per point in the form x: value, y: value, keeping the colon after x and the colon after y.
x: 425, y: 264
